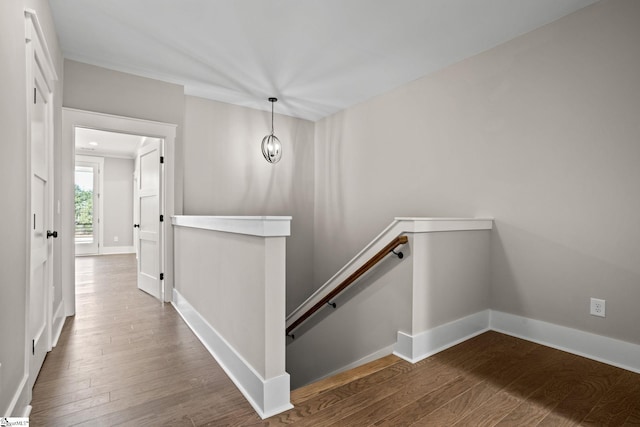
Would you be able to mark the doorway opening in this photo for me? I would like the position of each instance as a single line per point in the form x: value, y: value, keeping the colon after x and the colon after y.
x: 125, y: 204
x: 118, y: 187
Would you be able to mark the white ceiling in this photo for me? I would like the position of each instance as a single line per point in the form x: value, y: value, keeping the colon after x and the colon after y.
x: 108, y: 144
x: 316, y: 56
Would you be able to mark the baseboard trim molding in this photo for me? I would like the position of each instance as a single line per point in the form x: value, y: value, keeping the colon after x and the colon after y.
x: 268, y: 397
x: 112, y: 250
x: 19, y: 404
x: 603, y: 349
x: 414, y: 348
x: 58, y: 323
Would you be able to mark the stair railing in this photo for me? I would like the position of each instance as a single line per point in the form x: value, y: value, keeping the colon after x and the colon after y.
x: 375, y: 259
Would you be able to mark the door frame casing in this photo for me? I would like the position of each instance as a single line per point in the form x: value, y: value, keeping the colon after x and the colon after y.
x: 74, y: 118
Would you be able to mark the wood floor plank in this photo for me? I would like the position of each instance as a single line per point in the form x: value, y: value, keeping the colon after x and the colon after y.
x: 617, y: 404
x: 335, y: 395
x: 540, y: 364
x: 633, y: 419
x: 492, y: 411
x: 445, y: 367
x: 301, y: 394
x: 405, y: 385
x: 76, y: 405
x: 529, y: 412
x: 352, y: 401
x: 540, y: 403
x: 408, y: 414
x: 584, y: 396
x: 492, y: 377
x: 483, y: 362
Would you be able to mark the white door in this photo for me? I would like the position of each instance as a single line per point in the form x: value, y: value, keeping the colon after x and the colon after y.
x: 87, y: 212
x: 39, y: 325
x: 149, y: 226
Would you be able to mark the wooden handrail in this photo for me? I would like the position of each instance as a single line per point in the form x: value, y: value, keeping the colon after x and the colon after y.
x: 400, y: 240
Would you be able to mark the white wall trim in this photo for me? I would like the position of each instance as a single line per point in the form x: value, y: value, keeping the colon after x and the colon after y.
x: 603, y: 349
x: 111, y: 250
x: 611, y: 351
x: 432, y: 225
x: 414, y: 348
x: 58, y: 323
x: 47, y: 65
x: 268, y: 397
x: 262, y: 226
x: 20, y: 395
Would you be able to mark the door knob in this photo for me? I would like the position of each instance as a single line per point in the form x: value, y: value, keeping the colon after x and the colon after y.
x: 136, y: 225
x: 53, y: 234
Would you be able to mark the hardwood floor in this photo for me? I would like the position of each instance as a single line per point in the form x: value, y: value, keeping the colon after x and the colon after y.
x: 126, y: 359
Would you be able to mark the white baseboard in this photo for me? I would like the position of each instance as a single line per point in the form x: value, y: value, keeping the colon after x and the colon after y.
x: 19, y: 404
x: 58, y: 323
x: 111, y: 250
x: 268, y: 397
x: 611, y: 351
x: 603, y: 349
x: 414, y: 348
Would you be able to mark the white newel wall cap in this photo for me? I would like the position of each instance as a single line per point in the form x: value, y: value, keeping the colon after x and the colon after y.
x: 428, y: 225
x: 399, y: 226
x: 261, y: 226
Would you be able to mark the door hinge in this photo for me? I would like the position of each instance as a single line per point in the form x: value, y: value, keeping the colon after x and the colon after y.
x: 34, y: 95
x: 161, y: 276
x: 161, y: 159
x: 33, y: 347
x: 161, y: 218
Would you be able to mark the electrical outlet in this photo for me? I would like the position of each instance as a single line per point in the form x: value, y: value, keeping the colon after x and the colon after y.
x: 597, y: 307
x: 115, y: 238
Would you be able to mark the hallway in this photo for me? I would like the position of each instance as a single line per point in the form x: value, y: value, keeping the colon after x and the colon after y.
x: 126, y: 358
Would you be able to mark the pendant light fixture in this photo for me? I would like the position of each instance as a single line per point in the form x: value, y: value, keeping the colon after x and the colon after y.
x: 271, y: 146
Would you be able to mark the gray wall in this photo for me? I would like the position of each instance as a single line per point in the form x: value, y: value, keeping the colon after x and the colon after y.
x: 14, y: 262
x: 106, y: 91
x: 225, y: 174
x: 541, y: 133
x: 118, y: 201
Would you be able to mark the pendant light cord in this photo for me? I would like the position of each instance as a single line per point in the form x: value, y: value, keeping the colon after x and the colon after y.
x: 272, y: 100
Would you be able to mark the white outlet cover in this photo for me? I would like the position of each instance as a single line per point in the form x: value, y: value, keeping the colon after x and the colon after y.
x: 598, y: 307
